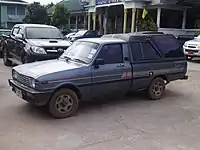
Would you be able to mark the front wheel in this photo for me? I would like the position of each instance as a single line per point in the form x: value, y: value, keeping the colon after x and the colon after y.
x: 156, y: 88
x: 64, y: 103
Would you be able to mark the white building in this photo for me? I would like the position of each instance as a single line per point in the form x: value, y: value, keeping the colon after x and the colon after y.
x: 170, y: 16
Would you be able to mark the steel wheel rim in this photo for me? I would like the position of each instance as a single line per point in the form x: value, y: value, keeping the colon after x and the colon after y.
x: 157, y: 88
x: 64, y: 103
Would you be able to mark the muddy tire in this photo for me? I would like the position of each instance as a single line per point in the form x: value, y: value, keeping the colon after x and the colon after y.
x: 156, y: 89
x: 63, y: 104
x: 6, y: 61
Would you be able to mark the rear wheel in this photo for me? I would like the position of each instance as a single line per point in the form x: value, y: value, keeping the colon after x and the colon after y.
x: 64, y: 103
x: 6, y: 61
x: 156, y: 88
x: 189, y: 58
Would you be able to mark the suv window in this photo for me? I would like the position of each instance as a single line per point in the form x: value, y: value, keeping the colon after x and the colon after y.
x: 149, y: 52
x: 168, y: 45
x: 21, y: 32
x: 136, y: 50
x: 15, y: 31
x: 111, y: 54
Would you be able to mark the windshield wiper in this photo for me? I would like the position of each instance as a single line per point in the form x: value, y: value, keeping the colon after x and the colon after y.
x: 79, y: 60
x: 66, y: 58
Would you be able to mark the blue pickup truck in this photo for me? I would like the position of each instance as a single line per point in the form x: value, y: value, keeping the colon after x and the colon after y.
x: 96, y: 67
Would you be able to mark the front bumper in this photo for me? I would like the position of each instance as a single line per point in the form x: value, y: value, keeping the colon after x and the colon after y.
x: 30, y: 95
x: 193, y: 52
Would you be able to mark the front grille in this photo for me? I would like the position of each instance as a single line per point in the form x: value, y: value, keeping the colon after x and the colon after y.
x: 21, y: 78
x: 191, y: 46
x: 55, y: 49
x: 192, y: 51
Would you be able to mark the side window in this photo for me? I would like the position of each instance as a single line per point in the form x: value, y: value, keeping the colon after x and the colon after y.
x: 15, y: 31
x: 149, y: 52
x: 168, y: 45
x: 111, y: 54
x: 136, y: 51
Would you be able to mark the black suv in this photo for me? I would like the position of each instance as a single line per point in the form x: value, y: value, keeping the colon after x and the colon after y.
x: 32, y: 42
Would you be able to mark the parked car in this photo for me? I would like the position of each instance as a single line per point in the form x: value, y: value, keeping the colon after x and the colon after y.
x: 84, y: 34
x: 184, y: 38
x: 192, y: 48
x: 3, y: 32
x: 69, y: 35
x: 96, y: 67
x: 31, y: 42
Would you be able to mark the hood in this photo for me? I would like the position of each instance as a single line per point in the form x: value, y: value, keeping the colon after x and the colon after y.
x: 38, y: 69
x: 48, y: 42
x: 194, y: 41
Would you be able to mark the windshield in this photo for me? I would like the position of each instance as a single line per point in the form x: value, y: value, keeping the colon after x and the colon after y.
x: 82, y: 32
x: 43, y: 33
x: 81, y: 51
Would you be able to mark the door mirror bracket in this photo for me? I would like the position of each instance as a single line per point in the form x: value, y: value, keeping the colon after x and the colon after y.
x: 98, y: 62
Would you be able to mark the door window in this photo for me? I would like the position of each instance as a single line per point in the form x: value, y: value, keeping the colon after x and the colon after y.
x: 111, y: 54
x: 21, y: 32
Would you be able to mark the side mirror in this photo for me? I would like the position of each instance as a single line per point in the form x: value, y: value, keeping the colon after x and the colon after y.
x: 19, y: 36
x: 98, y: 62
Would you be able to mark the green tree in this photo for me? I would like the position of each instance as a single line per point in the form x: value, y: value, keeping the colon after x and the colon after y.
x: 36, y: 14
x: 60, y: 15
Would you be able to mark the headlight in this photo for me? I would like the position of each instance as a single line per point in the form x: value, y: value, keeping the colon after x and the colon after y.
x: 33, y: 83
x: 72, y: 39
x: 185, y: 45
x: 14, y: 74
x: 38, y: 50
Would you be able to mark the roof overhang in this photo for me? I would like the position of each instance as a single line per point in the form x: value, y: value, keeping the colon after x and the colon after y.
x: 12, y: 2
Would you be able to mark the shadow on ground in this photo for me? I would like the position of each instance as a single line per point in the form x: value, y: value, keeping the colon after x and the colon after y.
x: 133, y: 99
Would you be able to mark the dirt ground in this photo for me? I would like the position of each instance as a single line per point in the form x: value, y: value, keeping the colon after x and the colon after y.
x: 133, y: 122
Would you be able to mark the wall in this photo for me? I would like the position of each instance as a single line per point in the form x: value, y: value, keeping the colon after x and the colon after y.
x: 8, y: 20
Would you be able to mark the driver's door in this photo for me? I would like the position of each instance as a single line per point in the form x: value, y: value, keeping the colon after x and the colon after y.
x: 12, y: 42
x: 109, y: 77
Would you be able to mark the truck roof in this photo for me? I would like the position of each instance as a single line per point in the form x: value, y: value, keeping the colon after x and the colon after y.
x: 34, y: 25
x: 104, y: 40
x: 137, y: 36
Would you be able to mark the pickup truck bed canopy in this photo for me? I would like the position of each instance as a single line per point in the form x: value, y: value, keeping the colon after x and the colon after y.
x: 135, y: 37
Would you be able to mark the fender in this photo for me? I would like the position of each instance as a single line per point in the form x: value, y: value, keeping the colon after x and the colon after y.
x: 71, y: 86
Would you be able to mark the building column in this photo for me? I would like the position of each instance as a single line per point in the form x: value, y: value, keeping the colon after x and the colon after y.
x: 184, y: 19
x: 116, y: 22
x: 94, y: 20
x: 133, y: 19
x: 89, y: 20
x: 158, y: 17
x: 125, y: 20
x: 76, y: 22
x: 105, y: 20
x: 84, y: 20
x: 100, y: 23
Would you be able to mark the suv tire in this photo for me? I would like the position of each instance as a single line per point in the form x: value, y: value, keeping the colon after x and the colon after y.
x: 63, y: 104
x: 6, y: 61
x: 156, y: 88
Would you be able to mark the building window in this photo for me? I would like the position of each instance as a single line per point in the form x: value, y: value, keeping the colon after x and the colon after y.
x: 11, y: 10
x: 171, y: 18
x: 20, y: 10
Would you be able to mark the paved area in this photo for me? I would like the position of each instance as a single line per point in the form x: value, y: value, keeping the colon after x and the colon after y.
x: 133, y: 122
